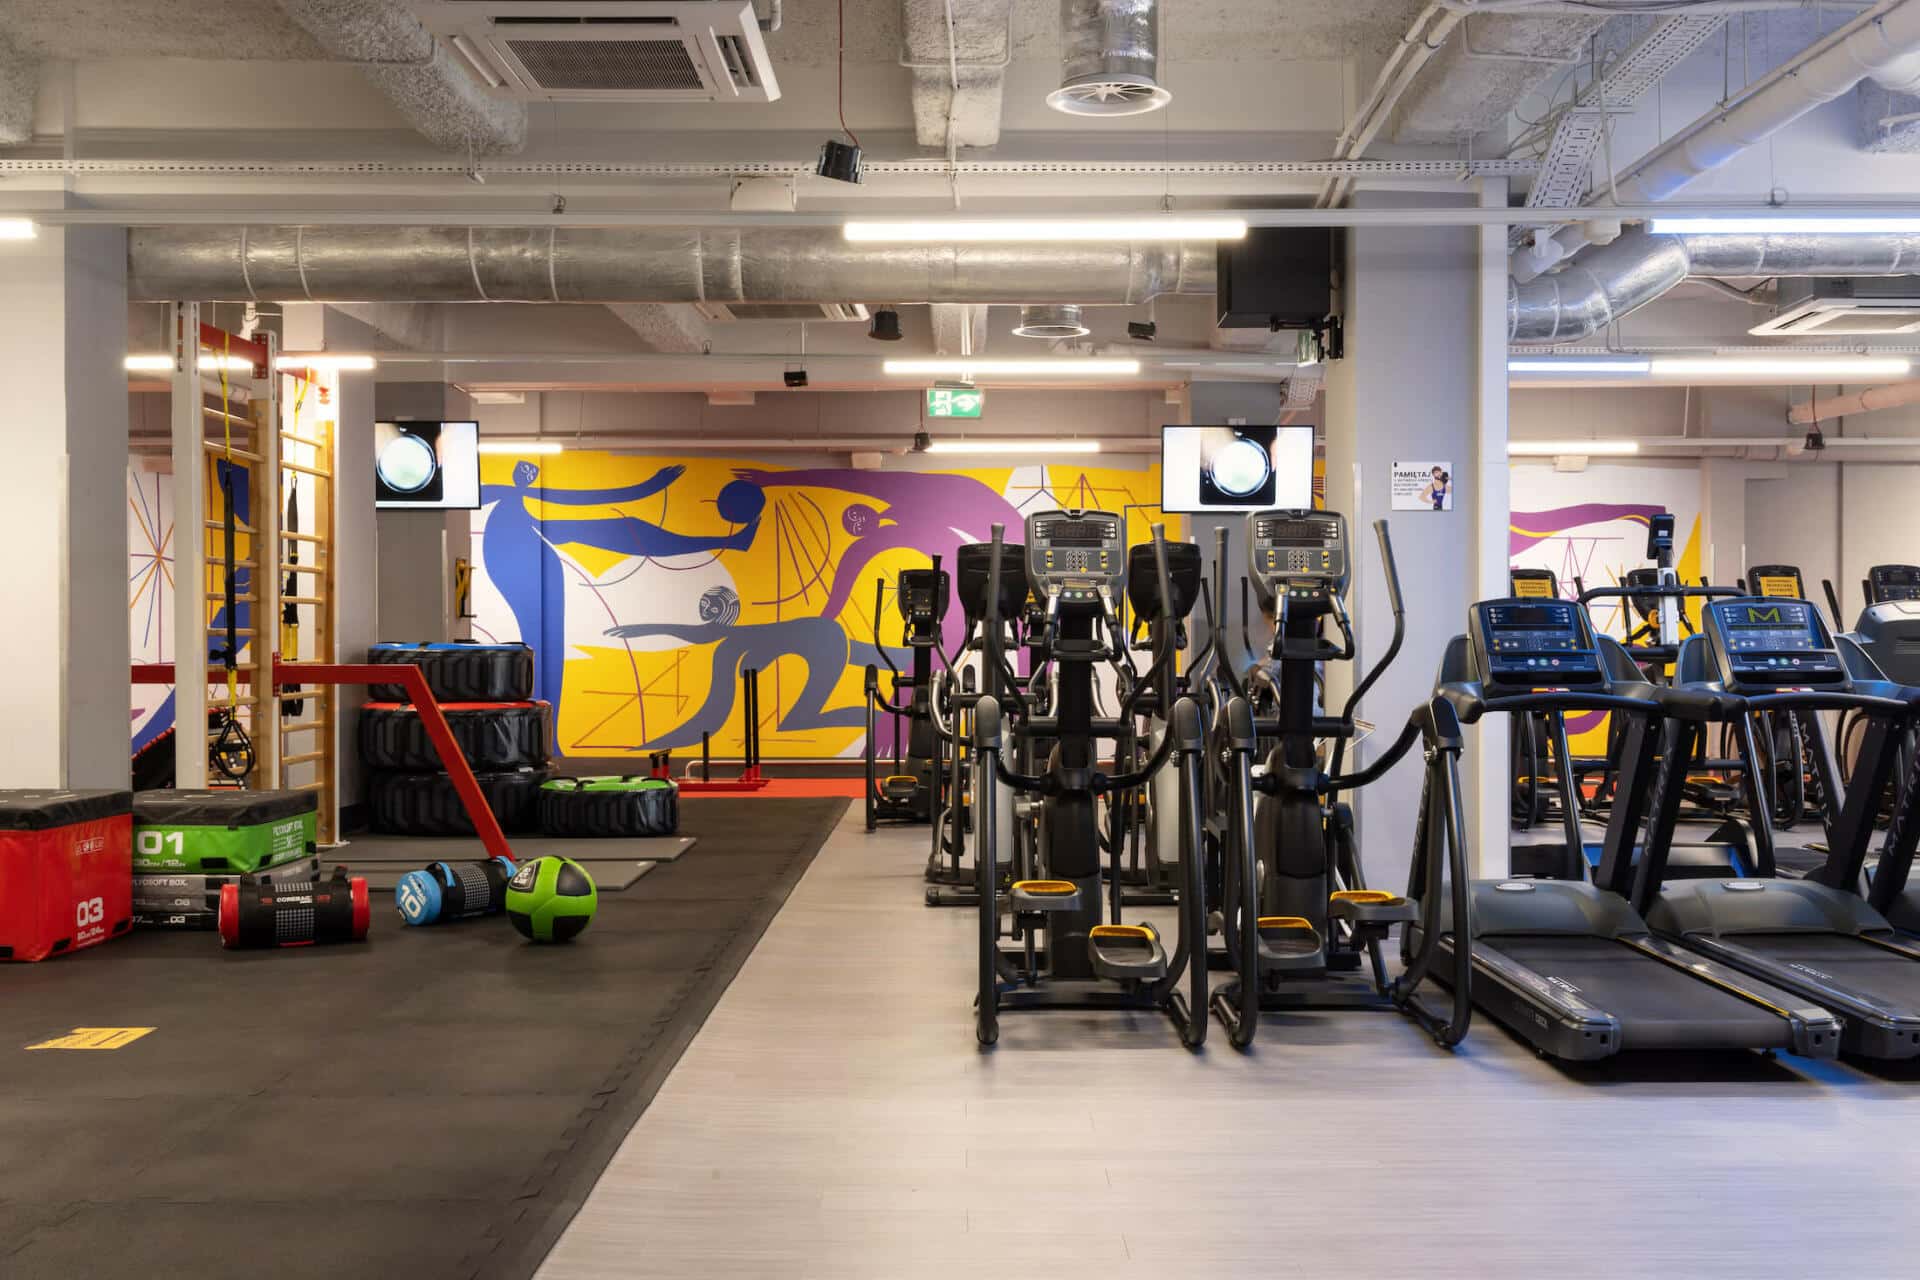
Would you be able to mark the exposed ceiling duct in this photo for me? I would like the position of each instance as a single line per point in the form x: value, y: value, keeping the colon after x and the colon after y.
x: 958, y: 53
x: 19, y: 82
x: 599, y: 264
x: 1109, y: 58
x: 1602, y: 285
x: 1883, y: 46
x: 1051, y: 322
x: 1827, y: 408
x: 423, y: 78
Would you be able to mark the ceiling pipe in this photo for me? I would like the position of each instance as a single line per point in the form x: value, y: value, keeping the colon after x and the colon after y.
x: 1883, y: 45
x: 681, y: 264
x: 639, y: 443
x: 1109, y: 58
x: 1601, y: 285
x: 1872, y: 400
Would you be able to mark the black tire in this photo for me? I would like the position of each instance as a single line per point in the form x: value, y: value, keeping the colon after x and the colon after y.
x: 463, y: 671
x: 426, y: 804
x: 492, y: 737
x: 609, y: 808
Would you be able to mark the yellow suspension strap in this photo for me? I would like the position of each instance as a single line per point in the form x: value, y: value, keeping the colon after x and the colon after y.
x: 232, y: 754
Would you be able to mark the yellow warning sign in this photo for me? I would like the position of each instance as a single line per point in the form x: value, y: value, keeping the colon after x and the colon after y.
x: 94, y: 1038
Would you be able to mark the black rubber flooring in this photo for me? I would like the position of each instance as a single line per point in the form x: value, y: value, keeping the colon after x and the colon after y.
x: 433, y: 1103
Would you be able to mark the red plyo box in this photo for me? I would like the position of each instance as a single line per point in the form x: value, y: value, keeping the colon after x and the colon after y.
x: 66, y: 870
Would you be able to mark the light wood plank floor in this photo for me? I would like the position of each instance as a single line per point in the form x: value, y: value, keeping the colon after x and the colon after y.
x: 834, y: 1120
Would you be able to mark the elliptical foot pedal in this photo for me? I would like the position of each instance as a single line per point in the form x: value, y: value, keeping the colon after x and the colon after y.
x: 1370, y: 908
x: 1043, y: 895
x: 899, y: 786
x: 1126, y: 952
x: 1289, y: 943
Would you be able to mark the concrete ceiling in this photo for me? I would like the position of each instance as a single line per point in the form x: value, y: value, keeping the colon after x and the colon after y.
x: 85, y: 30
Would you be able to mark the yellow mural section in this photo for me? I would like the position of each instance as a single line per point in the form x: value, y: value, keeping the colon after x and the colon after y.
x: 624, y: 696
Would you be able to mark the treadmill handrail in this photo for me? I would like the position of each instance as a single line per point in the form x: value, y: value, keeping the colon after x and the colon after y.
x: 1470, y: 701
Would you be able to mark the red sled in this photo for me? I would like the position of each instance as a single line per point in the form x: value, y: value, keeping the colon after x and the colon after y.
x: 66, y: 870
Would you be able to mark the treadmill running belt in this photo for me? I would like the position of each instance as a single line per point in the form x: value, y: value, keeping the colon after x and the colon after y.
x: 1844, y: 959
x: 1659, y: 1006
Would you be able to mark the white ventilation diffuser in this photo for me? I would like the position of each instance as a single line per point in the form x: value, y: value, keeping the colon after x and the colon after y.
x: 1109, y: 58
x: 725, y: 312
x: 1845, y: 308
x: 598, y: 51
x: 1052, y: 322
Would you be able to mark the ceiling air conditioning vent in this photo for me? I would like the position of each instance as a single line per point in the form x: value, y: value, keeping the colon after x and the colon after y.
x: 724, y: 312
x: 1849, y: 308
x: 597, y: 51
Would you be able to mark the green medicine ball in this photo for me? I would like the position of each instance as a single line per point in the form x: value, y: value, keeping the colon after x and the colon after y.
x: 551, y: 899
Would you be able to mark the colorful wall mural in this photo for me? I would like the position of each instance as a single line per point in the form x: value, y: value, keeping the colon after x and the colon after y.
x: 1591, y: 525
x: 647, y: 584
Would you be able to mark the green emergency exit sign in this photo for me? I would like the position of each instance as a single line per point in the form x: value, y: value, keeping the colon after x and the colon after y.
x: 955, y: 402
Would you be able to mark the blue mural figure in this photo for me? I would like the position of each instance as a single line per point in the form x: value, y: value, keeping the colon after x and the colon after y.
x: 518, y: 549
x: 819, y: 642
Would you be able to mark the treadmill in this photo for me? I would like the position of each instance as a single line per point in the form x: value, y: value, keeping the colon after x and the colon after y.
x: 1817, y: 938
x: 1565, y: 964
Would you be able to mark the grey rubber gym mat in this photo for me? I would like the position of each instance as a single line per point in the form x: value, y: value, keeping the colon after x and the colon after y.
x: 608, y: 877
x: 418, y: 851
x: 433, y: 1103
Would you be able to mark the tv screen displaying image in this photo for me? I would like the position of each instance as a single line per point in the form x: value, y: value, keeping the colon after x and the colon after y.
x: 1229, y: 469
x: 426, y: 465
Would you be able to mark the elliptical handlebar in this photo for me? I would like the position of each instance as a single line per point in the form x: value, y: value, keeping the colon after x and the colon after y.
x: 1392, y: 569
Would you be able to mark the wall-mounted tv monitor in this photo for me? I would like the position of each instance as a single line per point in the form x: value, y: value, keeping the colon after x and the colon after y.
x: 1209, y: 470
x: 426, y: 465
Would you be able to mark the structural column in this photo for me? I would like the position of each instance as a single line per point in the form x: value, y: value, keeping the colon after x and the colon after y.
x: 1423, y: 381
x: 63, y: 574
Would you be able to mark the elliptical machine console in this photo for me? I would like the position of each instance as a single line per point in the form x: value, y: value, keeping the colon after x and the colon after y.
x: 1299, y: 558
x: 1076, y: 560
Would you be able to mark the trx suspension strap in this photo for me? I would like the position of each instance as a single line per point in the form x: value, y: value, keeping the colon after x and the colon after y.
x: 232, y: 754
x: 290, y: 612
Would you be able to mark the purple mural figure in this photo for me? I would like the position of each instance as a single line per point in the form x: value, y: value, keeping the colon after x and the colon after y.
x: 517, y: 549
x: 929, y: 512
x: 1524, y: 528
x: 819, y: 642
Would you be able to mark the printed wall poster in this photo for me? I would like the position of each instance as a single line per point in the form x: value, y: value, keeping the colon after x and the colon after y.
x: 1422, y: 486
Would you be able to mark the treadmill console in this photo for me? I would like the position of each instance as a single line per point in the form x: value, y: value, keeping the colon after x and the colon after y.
x: 1768, y: 642
x: 1077, y: 557
x: 1776, y: 580
x: 1529, y: 642
x: 1299, y: 554
x: 1533, y: 584
x: 1893, y: 582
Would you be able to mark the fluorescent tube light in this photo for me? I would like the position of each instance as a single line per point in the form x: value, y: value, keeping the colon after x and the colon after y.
x: 521, y: 448
x: 995, y: 230
x: 971, y: 366
x: 318, y: 360
x: 1786, y: 224
x: 1578, y: 364
x: 1587, y: 448
x: 1825, y: 368
x: 18, y: 229
x: 155, y: 363
x: 1013, y: 446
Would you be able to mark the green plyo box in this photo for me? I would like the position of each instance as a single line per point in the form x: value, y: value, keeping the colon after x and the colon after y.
x: 222, y: 832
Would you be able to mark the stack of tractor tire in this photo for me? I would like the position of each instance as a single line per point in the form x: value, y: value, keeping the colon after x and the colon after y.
x: 485, y: 691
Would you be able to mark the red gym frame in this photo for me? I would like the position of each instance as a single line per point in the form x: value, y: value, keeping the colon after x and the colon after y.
x: 409, y: 677
x: 750, y: 779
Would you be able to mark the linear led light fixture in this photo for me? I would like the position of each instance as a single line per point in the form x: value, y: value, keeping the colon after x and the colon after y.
x: 972, y: 366
x: 18, y: 229
x: 1060, y: 230
x: 319, y: 360
x: 1578, y: 364
x: 1786, y: 224
x: 1811, y: 367
x: 1013, y: 446
x: 155, y: 363
x: 1587, y: 448
x: 521, y: 448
